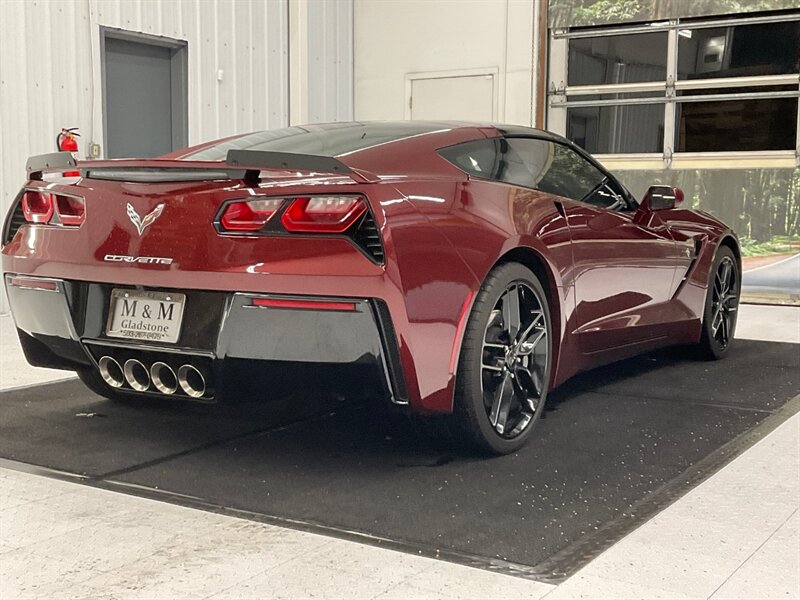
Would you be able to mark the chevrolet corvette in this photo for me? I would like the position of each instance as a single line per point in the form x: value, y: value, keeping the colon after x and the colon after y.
x: 465, y: 269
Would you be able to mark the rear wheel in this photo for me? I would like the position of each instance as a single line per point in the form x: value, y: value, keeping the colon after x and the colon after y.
x: 505, y: 361
x: 722, y: 304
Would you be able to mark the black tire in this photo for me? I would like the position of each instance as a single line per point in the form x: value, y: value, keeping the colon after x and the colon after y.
x: 715, y: 343
x: 480, y: 387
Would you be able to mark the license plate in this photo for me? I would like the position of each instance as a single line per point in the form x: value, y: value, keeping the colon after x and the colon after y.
x: 149, y: 316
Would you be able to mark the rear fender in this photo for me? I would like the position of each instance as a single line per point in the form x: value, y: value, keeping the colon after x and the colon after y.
x: 467, y: 245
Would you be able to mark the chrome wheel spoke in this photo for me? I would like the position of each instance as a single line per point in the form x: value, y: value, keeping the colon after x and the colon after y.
x: 511, y: 312
x: 725, y: 277
x: 502, y: 404
x: 526, y: 347
x: 715, y: 322
x: 723, y: 328
x: 528, y: 381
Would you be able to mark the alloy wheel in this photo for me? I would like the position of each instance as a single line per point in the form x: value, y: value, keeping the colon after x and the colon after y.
x: 724, y: 301
x: 515, y: 357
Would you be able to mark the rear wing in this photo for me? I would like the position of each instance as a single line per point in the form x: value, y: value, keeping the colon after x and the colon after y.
x: 239, y: 164
x: 286, y: 160
x: 55, y: 161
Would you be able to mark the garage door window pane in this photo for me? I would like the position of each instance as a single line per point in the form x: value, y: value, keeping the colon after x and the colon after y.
x: 617, y: 129
x: 737, y: 125
x: 744, y: 50
x: 618, y: 59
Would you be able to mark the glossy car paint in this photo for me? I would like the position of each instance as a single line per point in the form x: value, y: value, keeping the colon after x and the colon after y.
x: 618, y: 283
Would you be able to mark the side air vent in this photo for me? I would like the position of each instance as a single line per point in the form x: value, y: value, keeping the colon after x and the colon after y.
x: 389, y: 339
x: 367, y: 236
x: 14, y: 221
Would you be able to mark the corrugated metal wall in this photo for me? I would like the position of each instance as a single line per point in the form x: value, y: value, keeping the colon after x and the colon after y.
x: 50, y: 70
x: 330, y: 61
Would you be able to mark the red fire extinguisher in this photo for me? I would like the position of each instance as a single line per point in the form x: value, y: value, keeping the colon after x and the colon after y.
x: 66, y: 142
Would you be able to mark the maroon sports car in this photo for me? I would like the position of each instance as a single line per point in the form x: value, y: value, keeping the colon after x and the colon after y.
x: 468, y: 268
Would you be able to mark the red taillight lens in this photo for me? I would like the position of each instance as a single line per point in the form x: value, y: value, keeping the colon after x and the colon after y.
x: 323, y: 214
x: 37, y: 207
x: 249, y: 215
x: 71, y: 209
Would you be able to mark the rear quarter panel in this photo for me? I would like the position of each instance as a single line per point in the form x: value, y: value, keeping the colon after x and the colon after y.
x: 483, y: 221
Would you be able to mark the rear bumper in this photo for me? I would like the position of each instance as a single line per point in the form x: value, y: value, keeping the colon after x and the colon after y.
x: 68, y: 319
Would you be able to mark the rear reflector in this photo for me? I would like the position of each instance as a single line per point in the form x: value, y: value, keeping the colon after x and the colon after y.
x: 71, y: 209
x: 303, y: 304
x: 35, y: 284
x: 37, y: 207
x: 249, y: 215
x: 323, y: 214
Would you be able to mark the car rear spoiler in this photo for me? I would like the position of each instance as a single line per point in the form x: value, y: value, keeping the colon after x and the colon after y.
x: 286, y: 160
x: 55, y: 161
x: 239, y: 164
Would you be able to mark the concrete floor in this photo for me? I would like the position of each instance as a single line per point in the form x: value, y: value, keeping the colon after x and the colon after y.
x: 736, y: 535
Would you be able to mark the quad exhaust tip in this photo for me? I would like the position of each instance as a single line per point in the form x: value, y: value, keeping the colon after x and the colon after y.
x: 191, y: 381
x: 111, y: 372
x: 164, y: 378
x: 136, y: 374
x: 160, y: 375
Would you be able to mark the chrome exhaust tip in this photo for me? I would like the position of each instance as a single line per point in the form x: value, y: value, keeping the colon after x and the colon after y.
x: 111, y: 371
x: 164, y: 378
x: 136, y: 374
x: 192, y: 381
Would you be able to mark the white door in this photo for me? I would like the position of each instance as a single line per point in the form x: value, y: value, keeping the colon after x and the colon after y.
x: 462, y: 98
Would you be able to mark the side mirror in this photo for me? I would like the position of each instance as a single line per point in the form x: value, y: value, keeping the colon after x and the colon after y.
x: 662, y: 197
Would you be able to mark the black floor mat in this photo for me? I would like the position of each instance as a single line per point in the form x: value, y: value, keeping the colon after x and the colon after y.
x: 610, y: 438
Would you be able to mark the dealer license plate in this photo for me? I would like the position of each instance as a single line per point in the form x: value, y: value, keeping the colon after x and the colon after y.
x: 149, y: 316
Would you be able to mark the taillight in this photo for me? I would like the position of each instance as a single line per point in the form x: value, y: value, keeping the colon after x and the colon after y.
x: 249, y: 215
x: 71, y: 209
x: 37, y: 207
x: 323, y: 214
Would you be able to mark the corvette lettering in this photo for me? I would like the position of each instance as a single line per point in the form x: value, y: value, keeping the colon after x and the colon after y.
x: 144, y: 260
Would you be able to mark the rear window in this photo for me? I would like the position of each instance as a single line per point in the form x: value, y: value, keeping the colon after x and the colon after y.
x: 528, y: 162
x: 331, y: 139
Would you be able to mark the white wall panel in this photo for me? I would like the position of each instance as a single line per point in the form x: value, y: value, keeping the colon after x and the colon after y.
x: 396, y: 38
x: 50, y: 70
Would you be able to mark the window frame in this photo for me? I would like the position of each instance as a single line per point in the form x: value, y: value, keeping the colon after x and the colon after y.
x: 561, y: 96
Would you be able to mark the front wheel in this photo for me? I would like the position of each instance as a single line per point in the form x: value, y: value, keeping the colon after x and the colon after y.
x: 504, y: 368
x: 722, y: 304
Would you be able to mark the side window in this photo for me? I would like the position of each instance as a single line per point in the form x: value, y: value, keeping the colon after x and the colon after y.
x: 565, y: 172
x: 535, y: 163
x: 500, y: 159
x: 480, y: 158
